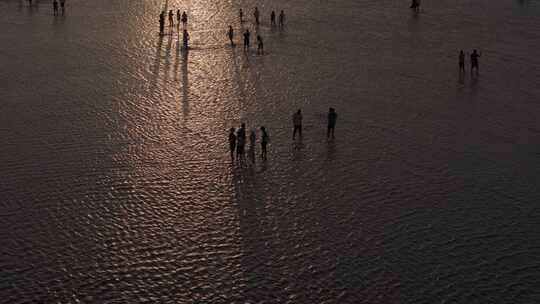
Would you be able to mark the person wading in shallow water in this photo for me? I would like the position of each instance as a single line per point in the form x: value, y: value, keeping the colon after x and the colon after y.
x: 260, y: 45
x: 332, y: 118
x: 55, y: 7
x: 171, y: 18
x: 297, y: 123
x: 230, y: 33
x: 461, y: 61
x: 246, y: 40
x: 161, y: 22
x: 281, y: 18
x: 185, y: 39
x: 63, y: 6
x: 240, y: 142
x: 178, y: 18
x: 232, y: 142
x: 273, y: 18
x: 252, y: 142
x: 184, y: 19
x: 474, y: 61
x: 265, y: 139
x: 241, y: 13
x: 256, y: 15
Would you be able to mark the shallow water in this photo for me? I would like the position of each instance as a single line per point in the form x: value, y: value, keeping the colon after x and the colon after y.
x: 117, y: 185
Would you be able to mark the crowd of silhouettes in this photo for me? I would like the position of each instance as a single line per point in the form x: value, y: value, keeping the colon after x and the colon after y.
x: 180, y: 19
x: 247, y: 34
x: 237, y: 137
x: 237, y: 143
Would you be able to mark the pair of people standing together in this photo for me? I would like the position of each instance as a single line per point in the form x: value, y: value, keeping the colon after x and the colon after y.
x: 297, y: 123
x: 474, y: 61
x: 55, y: 6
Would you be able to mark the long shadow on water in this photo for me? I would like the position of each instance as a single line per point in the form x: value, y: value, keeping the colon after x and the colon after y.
x: 263, y: 279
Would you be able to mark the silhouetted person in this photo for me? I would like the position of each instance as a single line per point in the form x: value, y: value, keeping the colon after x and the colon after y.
x: 55, y: 7
x: 184, y: 19
x: 185, y: 39
x: 415, y: 5
x: 230, y: 33
x: 63, y: 6
x: 461, y: 61
x: 178, y: 18
x: 281, y: 18
x: 256, y: 15
x: 332, y: 118
x: 297, y: 123
x: 232, y: 142
x: 252, y: 142
x: 171, y: 18
x: 241, y: 13
x: 246, y: 40
x: 30, y: 2
x: 161, y: 22
x: 474, y: 61
x: 273, y: 18
x: 265, y: 139
x: 260, y: 45
x: 240, y: 141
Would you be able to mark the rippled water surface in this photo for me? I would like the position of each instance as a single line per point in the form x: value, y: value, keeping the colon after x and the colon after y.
x: 117, y: 186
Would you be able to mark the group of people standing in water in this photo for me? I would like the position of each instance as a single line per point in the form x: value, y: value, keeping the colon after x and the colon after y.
x: 237, y: 138
x: 180, y: 18
x: 247, y: 34
x: 55, y: 6
x: 183, y: 18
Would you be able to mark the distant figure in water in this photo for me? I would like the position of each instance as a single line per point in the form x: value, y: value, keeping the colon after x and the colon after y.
x: 240, y: 141
x: 63, y: 6
x: 474, y: 61
x: 30, y: 2
x: 232, y: 142
x: 265, y: 139
x: 55, y: 7
x: 178, y: 18
x: 415, y: 5
x: 461, y: 61
x: 332, y: 118
x: 281, y: 18
x: 297, y: 123
x: 252, y: 142
x: 273, y: 18
x: 161, y: 22
x: 256, y: 15
x: 184, y: 19
x: 260, y: 45
x: 185, y: 39
x: 230, y: 33
x: 171, y: 18
x: 241, y: 16
x: 246, y: 40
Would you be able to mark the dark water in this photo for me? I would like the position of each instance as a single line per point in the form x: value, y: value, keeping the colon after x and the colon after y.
x: 117, y: 185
